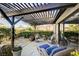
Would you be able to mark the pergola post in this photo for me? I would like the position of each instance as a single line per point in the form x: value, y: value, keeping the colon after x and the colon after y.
x: 62, y: 29
x: 12, y: 32
x: 57, y: 33
x: 54, y: 29
x: 0, y: 14
x: 13, y: 29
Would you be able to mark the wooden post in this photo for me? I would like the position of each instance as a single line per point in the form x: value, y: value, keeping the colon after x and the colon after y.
x: 0, y: 14
x: 12, y: 32
x: 62, y: 29
x: 57, y: 34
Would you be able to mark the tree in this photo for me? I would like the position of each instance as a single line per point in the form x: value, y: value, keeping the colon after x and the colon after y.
x: 1, y: 36
x: 34, y: 24
x: 6, y: 32
x: 74, y: 27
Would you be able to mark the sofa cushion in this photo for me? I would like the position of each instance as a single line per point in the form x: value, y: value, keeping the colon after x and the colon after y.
x: 65, y: 52
x: 45, y: 46
x: 57, y: 50
x: 49, y: 49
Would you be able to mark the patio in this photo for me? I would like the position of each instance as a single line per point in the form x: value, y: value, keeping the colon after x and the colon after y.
x: 35, y: 14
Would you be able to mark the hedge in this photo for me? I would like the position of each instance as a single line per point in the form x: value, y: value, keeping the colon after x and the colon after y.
x: 27, y: 34
x: 71, y: 33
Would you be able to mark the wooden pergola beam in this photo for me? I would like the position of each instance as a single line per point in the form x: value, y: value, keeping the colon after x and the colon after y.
x: 67, y: 13
x: 0, y: 14
x: 59, y: 14
x: 18, y: 20
x: 5, y: 16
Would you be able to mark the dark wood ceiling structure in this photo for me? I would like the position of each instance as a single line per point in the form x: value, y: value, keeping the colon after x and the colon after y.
x: 40, y: 13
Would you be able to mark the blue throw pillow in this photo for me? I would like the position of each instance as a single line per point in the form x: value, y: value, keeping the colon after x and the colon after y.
x: 45, y: 46
x: 49, y: 49
x: 57, y: 50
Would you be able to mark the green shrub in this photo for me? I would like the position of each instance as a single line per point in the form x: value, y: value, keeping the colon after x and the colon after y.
x: 70, y: 33
x: 6, y: 51
x: 28, y: 34
x: 46, y: 33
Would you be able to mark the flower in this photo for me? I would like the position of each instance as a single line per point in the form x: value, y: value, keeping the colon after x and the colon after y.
x: 75, y: 53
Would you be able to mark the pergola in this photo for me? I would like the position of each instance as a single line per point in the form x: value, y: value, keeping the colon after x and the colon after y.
x: 39, y: 13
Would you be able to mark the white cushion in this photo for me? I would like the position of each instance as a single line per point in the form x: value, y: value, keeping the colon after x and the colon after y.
x: 65, y: 52
x: 42, y: 52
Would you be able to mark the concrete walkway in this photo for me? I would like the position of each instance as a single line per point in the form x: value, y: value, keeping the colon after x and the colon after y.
x: 28, y: 48
x: 31, y: 49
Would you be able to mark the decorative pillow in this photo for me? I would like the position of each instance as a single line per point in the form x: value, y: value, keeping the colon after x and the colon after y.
x: 49, y: 49
x: 45, y: 46
x: 57, y: 50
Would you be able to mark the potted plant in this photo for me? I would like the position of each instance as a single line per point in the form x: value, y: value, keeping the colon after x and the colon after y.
x: 75, y: 53
x: 17, y: 51
x: 6, y: 50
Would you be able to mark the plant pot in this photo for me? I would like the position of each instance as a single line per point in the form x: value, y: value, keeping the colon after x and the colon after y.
x: 17, y: 51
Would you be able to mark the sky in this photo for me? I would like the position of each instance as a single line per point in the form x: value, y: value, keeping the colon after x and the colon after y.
x: 19, y: 24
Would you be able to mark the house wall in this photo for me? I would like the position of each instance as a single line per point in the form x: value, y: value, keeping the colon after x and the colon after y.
x: 47, y: 27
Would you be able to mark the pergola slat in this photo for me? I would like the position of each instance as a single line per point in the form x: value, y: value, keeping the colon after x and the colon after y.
x: 19, y: 5
x: 7, y: 6
x: 27, y: 6
x: 23, y: 5
x: 34, y: 5
x: 13, y: 6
